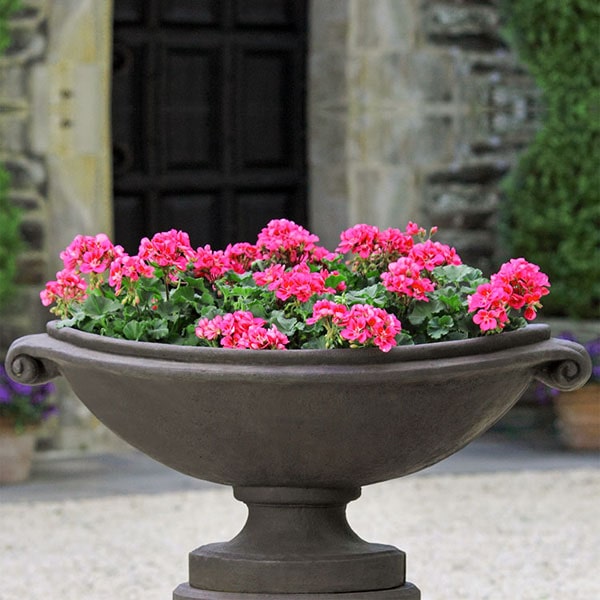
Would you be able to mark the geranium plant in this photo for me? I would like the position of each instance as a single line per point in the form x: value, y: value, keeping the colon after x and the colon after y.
x: 23, y: 406
x: 379, y: 288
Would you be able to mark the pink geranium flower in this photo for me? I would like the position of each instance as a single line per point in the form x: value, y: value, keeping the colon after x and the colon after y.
x: 517, y: 285
x: 90, y: 254
x: 68, y: 287
x: 241, y: 329
x: 404, y: 278
x: 429, y: 254
x: 130, y: 268
x: 167, y: 249
x: 211, y: 264
x: 285, y: 241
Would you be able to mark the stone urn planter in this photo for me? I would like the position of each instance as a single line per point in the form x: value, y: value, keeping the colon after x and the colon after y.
x: 297, y: 433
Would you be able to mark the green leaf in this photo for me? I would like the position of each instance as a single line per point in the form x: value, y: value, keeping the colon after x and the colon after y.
x: 134, y: 330
x: 287, y: 325
x: 375, y: 295
x: 454, y: 303
x: 438, y: 327
x: 158, y: 330
x: 183, y: 294
x: 334, y: 280
x: 319, y: 343
x: 98, y: 306
x: 423, y: 311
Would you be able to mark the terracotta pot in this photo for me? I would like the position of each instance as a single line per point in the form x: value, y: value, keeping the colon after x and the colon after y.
x: 578, y: 415
x: 16, y: 453
x: 297, y: 433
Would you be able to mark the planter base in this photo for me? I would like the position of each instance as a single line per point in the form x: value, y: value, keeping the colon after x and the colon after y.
x: 406, y: 592
x: 296, y: 541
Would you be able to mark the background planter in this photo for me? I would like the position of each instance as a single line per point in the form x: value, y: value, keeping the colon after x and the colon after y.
x: 578, y: 417
x: 16, y: 453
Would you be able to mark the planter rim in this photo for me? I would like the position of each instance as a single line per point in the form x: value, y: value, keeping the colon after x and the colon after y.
x: 531, y: 334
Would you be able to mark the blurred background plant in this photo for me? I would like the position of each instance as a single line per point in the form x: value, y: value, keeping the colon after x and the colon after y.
x: 23, y: 406
x: 7, y: 8
x: 552, y: 209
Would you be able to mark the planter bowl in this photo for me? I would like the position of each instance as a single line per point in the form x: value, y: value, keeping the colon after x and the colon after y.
x: 297, y: 433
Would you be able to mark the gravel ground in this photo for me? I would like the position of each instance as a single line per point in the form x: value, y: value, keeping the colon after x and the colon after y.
x: 531, y: 535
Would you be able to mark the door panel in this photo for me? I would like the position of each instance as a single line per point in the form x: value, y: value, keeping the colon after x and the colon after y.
x: 208, y: 109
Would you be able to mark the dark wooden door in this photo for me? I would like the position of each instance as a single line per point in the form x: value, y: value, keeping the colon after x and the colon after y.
x: 208, y: 116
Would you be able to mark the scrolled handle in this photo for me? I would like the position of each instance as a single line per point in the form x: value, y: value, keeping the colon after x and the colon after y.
x: 568, y: 369
x: 30, y: 370
x: 28, y: 360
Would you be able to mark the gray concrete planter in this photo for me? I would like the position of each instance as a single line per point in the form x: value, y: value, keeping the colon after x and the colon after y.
x: 297, y: 433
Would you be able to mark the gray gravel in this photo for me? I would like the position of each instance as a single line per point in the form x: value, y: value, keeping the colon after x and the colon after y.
x: 524, y: 535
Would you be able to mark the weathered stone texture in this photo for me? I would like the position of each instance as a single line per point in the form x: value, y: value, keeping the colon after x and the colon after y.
x: 419, y: 103
x: 435, y: 109
x: 54, y: 135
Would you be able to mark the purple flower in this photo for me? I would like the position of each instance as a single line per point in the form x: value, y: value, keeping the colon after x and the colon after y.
x: 20, y: 388
x: 593, y: 348
x: 5, y: 396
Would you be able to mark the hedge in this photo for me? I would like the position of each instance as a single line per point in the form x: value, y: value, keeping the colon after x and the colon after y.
x: 552, y: 208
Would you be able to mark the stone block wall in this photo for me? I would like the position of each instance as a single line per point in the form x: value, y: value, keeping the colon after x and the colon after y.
x: 54, y: 141
x: 417, y: 110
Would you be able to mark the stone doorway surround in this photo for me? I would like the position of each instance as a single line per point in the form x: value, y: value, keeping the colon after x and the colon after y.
x: 416, y: 110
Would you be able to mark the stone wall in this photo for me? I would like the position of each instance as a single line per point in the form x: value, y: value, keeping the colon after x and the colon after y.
x: 417, y: 110
x: 54, y: 141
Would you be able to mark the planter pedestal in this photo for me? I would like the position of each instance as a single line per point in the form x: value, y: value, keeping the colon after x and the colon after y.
x: 297, y: 541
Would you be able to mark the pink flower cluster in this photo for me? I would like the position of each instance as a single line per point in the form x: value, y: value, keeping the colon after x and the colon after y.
x: 518, y: 285
x: 241, y: 329
x: 167, y: 249
x: 288, y: 243
x: 429, y: 254
x: 210, y: 264
x: 68, y: 287
x: 90, y: 255
x: 404, y: 277
x: 130, y: 268
x: 368, y: 240
x: 361, y: 324
x: 241, y: 256
x: 298, y: 282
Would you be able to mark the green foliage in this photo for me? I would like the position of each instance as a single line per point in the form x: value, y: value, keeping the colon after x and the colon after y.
x: 10, y: 240
x: 552, y: 214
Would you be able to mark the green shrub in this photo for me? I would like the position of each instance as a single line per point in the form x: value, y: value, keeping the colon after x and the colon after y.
x: 552, y: 209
